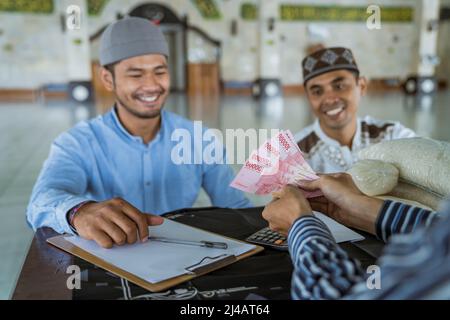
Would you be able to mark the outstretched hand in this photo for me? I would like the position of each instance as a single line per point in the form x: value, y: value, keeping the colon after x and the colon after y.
x: 343, y: 201
x: 288, y: 205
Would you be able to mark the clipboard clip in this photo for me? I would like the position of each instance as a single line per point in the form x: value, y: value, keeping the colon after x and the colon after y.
x: 208, y: 264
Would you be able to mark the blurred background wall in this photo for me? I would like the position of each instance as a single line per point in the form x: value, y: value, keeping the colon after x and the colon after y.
x: 33, y: 49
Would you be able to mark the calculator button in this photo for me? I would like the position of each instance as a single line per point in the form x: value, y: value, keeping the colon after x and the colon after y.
x: 270, y: 238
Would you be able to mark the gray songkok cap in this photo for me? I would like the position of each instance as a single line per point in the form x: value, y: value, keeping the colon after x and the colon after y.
x: 131, y: 37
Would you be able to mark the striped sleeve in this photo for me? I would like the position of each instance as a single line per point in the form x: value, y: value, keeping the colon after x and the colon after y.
x: 414, y: 265
x: 322, y: 270
x: 400, y: 218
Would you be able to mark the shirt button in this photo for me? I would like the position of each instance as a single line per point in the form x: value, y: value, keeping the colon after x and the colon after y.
x: 148, y: 183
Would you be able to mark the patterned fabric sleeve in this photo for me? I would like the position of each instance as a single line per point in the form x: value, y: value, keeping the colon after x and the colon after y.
x: 322, y: 270
x: 400, y: 218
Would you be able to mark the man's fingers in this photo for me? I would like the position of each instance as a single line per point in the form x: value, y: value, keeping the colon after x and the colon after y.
x: 274, y: 199
x: 273, y: 227
x: 320, y: 199
x: 276, y: 195
x: 102, y: 239
x: 282, y: 192
x: 128, y: 226
x: 320, y: 207
x: 309, y: 185
x: 265, y: 213
x: 153, y: 220
x: 138, y: 218
x: 114, y: 232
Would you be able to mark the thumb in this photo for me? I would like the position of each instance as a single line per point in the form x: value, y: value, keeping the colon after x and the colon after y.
x: 153, y: 220
x: 277, y: 195
x: 309, y: 185
x: 280, y: 193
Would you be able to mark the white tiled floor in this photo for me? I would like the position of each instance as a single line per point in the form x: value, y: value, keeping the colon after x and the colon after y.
x: 26, y: 131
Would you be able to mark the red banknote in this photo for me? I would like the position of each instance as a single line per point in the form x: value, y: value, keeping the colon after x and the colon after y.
x: 276, y: 163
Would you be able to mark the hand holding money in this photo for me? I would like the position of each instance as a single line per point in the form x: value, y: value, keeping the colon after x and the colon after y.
x: 276, y: 163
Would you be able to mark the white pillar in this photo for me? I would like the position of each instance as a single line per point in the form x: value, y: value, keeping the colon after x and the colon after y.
x: 427, y: 39
x: 76, y: 39
x: 269, y: 43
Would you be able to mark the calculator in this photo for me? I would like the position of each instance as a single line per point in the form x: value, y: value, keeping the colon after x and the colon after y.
x: 269, y: 238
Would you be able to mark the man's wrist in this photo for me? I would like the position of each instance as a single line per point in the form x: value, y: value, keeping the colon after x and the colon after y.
x: 71, y: 214
x: 302, y: 215
x: 307, y: 226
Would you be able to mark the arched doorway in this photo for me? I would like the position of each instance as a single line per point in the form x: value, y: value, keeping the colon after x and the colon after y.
x: 175, y: 31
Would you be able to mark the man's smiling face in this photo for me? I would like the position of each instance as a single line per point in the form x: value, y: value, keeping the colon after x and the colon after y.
x: 335, y: 97
x: 141, y: 84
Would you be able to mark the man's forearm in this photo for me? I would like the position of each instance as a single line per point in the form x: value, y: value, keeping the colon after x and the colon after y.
x: 49, y: 207
x: 384, y: 218
x: 364, y: 212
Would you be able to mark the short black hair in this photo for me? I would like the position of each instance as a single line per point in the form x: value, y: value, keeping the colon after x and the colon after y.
x: 110, y: 67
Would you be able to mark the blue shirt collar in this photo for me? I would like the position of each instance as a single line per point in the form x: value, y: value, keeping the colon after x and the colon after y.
x: 120, y: 129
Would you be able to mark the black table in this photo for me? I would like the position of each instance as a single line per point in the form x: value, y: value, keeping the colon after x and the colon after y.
x: 266, y: 275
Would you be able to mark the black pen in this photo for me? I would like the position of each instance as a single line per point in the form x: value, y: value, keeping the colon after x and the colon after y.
x: 208, y: 244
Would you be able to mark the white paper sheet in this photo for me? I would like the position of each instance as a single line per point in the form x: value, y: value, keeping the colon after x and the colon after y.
x: 340, y: 232
x: 157, y: 261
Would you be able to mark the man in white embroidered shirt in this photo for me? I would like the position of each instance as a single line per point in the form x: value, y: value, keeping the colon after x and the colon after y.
x: 334, y: 89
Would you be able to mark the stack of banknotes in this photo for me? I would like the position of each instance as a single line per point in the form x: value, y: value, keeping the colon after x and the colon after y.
x: 276, y: 163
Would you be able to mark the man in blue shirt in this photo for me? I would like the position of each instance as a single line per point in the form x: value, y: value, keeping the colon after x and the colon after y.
x: 103, y: 177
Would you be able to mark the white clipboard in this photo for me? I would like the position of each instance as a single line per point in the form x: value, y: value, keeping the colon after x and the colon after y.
x: 157, y: 266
